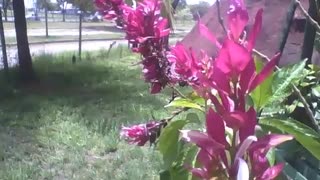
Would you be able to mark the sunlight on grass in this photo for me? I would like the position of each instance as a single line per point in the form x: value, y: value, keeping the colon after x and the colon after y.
x: 67, y: 125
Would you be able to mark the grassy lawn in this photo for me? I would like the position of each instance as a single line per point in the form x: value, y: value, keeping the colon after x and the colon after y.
x: 57, y: 25
x: 43, y: 39
x: 66, y: 126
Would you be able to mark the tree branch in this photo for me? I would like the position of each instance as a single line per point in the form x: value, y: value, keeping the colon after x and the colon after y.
x: 308, y: 17
x: 286, y: 28
x: 219, y: 16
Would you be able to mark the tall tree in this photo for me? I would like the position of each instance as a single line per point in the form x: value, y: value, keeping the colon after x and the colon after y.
x: 83, y: 5
x: 46, y: 5
x: 63, y: 5
x: 25, y: 62
x: 5, y: 6
x: 3, y: 45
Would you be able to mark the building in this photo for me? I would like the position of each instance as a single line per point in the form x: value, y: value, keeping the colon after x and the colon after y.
x: 274, y: 16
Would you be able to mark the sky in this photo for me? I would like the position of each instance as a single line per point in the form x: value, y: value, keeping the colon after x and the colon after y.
x: 197, y: 1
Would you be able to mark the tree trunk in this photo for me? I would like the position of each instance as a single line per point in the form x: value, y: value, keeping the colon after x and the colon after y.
x: 63, y: 13
x: 309, y: 34
x: 5, y: 13
x: 80, y: 34
x: 3, y: 45
x: 25, y: 62
x: 5, y: 7
x: 46, y: 19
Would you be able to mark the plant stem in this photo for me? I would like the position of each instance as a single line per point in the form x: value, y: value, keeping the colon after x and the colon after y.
x: 178, y: 92
x: 176, y: 113
x: 233, y: 146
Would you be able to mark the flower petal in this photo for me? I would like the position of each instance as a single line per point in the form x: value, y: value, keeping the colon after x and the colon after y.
x: 233, y: 58
x: 205, y: 32
x: 251, y: 122
x: 265, y: 72
x: 243, y: 170
x: 255, y: 30
x: 215, y: 127
x: 202, y: 140
x: 272, y: 172
x: 245, y: 146
x: 238, y: 18
x: 271, y: 140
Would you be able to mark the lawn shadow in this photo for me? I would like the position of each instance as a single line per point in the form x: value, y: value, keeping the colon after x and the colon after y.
x: 104, y: 88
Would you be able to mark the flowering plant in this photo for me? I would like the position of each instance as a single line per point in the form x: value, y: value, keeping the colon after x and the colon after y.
x: 229, y: 147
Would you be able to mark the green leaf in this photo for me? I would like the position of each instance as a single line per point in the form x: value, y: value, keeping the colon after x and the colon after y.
x: 165, y: 175
x: 288, y: 170
x: 271, y: 156
x: 168, y: 143
x: 316, y: 91
x: 263, y: 92
x: 306, y: 136
x: 281, y: 87
x: 187, y: 156
x: 181, y: 102
x: 193, y: 118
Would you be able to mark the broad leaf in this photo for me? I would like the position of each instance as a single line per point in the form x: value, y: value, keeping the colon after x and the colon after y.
x: 193, y: 117
x: 281, y: 87
x: 187, y: 156
x: 306, y: 136
x: 263, y: 92
x: 271, y: 156
x: 288, y: 171
x: 181, y: 102
x: 169, y: 142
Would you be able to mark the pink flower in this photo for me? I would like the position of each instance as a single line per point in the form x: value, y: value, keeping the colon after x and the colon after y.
x: 145, y: 23
x: 142, y: 133
x: 214, y: 150
x: 212, y: 146
x: 195, y: 70
x: 258, y: 151
x: 110, y: 8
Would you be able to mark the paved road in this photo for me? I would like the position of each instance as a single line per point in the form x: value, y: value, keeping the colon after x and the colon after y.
x: 53, y: 48
x: 59, y: 32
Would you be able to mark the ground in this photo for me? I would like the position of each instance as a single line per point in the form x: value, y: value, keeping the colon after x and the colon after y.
x: 66, y: 126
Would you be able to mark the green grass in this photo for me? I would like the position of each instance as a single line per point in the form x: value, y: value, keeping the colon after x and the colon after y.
x: 43, y: 39
x: 66, y: 126
x: 58, y: 25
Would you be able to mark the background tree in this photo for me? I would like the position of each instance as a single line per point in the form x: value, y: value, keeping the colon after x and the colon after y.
x: 83, y: 5
x: 25, y: 62
x: 63, y: 5
x: 47, y: 5
x: 3, y: 45
x: 198, y: 10
x: 5, y: 6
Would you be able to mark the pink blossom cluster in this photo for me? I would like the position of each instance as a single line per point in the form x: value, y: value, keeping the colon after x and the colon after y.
x: 111, y: 9
x: 142, y: 133
x: 229, y: 148
x: 147, y: 32
x: 226, y: 81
